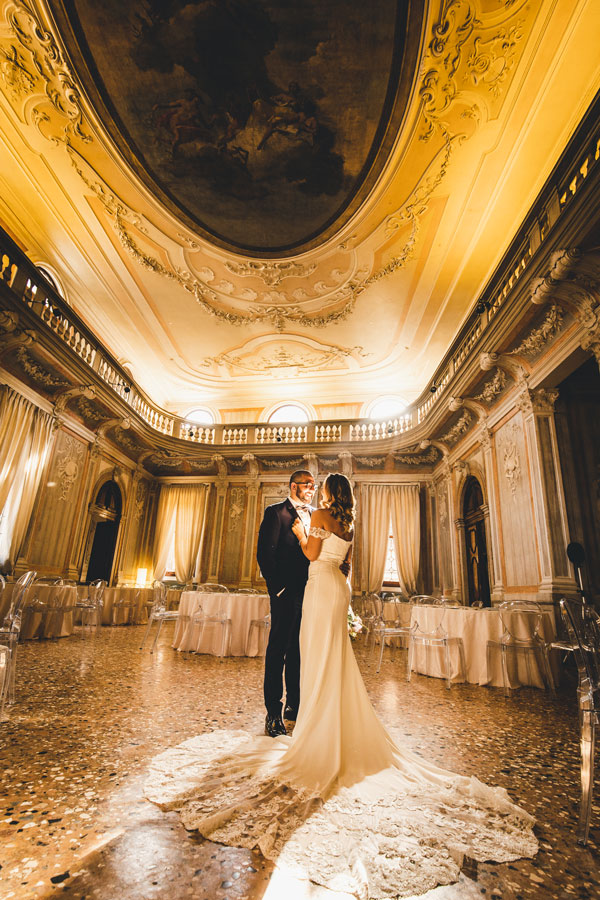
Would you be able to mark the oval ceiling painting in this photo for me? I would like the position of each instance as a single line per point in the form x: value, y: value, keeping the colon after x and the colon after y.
x: 262, y: 123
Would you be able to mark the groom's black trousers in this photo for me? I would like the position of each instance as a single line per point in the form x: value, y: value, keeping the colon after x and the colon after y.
x: 283, y: 651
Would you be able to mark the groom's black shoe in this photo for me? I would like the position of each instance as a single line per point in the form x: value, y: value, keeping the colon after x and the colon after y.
x: 290, y: 713
x: 274, y: 726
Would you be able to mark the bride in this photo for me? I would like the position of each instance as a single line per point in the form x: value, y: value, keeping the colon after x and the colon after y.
x: 339, y: 801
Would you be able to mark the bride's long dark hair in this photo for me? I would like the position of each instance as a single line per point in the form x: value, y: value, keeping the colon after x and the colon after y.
x: 341, y: 503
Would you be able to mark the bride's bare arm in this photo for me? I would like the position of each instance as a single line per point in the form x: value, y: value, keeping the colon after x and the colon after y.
x: 311, y: 545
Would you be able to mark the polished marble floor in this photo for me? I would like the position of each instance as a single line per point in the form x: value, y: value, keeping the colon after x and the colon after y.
x: 92, y: 712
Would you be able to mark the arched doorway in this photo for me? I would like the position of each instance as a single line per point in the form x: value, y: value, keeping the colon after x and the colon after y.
x: 476, y: 545
x: 106, y: 515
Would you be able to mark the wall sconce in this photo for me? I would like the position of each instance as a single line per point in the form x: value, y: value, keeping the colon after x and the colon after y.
x: 433, y: 387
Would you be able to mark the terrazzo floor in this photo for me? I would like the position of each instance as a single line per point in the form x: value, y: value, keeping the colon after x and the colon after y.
x: 91, y: 714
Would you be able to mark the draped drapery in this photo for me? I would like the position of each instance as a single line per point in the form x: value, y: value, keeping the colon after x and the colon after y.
x: 36, y: 456
x: 180, y: 517
x: 406, y: 527
x: 399, y: 503
x: 375, y: 524
x: 165, y: 528
x: 16, y: 417
x: 25, y: 438
x: 189, y: 524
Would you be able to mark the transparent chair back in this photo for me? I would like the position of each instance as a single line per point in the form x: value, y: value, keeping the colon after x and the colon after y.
x: 210, y: 588
x: 523, y: 641
x: 436, y: 637
x: 583, y: 628
x: 158, y: 613
x: 11, y: 630
x: 425, y: 599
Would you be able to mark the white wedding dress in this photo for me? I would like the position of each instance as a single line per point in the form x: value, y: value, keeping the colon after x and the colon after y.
x: 338, y: 802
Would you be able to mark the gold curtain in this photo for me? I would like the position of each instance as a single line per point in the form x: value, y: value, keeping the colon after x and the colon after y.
x: 189, y: 526
x: 25, y: 439
x: 16, y: 417
x: 406, y: 528
x: 375, y: 524
x: 180, y: 516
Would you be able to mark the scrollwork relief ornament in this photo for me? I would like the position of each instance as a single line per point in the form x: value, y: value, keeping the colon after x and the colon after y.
x: 236, y: 503
x: 9, y: 321
x: 540, y: 336
x: 512, y: 464
x: 271, y: 274
x: 140, y: 500
x: 38, y: 60
x: 491, y: 60
x: 70, y: 457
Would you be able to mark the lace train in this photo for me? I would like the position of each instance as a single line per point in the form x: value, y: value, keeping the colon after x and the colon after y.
x: 385, y: 837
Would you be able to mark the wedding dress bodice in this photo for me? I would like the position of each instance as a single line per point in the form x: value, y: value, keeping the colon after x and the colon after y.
x: 340, y: 802
x: 333, y: 548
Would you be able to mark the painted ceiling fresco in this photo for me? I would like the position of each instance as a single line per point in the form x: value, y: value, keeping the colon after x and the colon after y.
x: 259, y: 121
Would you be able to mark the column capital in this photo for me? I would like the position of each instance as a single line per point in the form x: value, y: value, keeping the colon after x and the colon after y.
x: 540, y: 401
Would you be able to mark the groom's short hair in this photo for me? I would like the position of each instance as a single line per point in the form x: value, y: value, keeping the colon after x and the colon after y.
x: 296, y: 475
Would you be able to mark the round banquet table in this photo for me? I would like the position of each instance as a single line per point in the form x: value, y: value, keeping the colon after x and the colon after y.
x: 475, y: 627
x: 47, y: 611
x: 240, y: 608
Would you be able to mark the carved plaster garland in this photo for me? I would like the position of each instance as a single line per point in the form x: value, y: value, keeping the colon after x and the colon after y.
x: 492, y: 388
x: 540, y: 336
x: 458, y: 428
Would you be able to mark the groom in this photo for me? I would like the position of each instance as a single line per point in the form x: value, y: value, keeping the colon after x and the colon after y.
x: 285, y: 569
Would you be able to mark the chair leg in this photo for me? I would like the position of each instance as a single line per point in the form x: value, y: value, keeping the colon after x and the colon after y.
x: 503, y: 652
x: 588, y: 740
x: 381, y: 653
x: 147, y: 631
x: 447, y: 664
x: 12, y: 675
x: 409, y: 661
x: 160, y: 623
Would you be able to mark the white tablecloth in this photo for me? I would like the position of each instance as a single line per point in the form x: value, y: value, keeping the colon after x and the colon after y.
x: 45, y: 614
x: 113, y: 613
x: 475, y: 627
x: 240, y: 608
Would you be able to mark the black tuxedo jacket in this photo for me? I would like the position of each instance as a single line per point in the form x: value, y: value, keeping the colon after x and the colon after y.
x: 279, y: 555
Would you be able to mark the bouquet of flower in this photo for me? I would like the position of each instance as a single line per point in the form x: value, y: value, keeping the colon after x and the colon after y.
x: 355, y: 624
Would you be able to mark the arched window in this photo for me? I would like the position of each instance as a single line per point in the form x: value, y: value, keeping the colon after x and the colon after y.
x: 289, y: 412
x: 385, y: 408
x: 200, y: 415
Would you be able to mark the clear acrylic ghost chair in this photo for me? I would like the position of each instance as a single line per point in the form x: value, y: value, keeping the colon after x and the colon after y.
x: 158, y: 613
x: 90, y: 607
x: 126, y: 607
x: 368, y: 609
x: 260, y: 628
x: 210, y: 588
x: 11, y: 629
x: 219, y: 620
x: 583, y: 629
x: 438, y: 639
x: 385, y: 629
x: 246, y: 591
x: 522, y: 636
